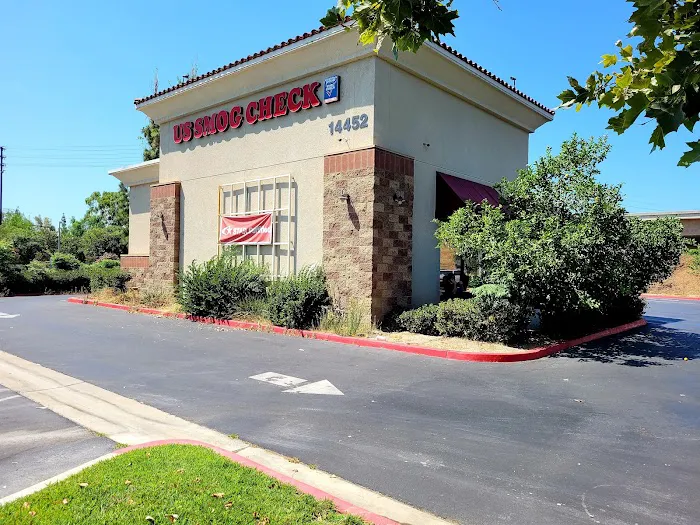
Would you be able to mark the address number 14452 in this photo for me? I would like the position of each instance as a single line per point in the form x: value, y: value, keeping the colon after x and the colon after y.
x: 350, y: 124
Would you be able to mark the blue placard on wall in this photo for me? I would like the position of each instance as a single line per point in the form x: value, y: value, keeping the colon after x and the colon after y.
x: 331, y: 89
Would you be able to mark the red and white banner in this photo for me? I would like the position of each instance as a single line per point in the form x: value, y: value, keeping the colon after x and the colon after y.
x: 246, y: 229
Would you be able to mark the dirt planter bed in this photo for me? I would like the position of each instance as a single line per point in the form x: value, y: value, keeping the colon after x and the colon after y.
x: 483, y: 352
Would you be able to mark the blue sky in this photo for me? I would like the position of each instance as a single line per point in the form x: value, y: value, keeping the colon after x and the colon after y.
x: 70, y: 72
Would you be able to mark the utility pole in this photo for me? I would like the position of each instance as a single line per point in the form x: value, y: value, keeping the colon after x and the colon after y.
x: 2, y: 172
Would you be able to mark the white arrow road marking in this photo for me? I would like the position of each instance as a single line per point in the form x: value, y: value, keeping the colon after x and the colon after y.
x: 278, y: 379
x: 323, y: 387
x: 3, y: 315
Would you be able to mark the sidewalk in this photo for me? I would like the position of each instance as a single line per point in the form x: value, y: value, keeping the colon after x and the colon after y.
x: 129, y: 422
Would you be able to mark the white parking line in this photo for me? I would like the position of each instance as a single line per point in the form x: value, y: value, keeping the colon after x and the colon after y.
x: 8, y: 398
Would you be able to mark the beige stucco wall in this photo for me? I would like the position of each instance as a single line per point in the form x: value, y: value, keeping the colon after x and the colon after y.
x: 139, y: 219
x: 691, y: 227
x: 465, y: 141
x: 294, y: 144
x: 476, y: 130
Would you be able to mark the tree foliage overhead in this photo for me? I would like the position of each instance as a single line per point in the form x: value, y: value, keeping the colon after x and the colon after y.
x: 562, y: 243
x: 659, y: 77
x: 408, y: 23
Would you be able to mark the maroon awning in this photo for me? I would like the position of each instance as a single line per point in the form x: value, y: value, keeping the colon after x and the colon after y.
x: 467, y: 190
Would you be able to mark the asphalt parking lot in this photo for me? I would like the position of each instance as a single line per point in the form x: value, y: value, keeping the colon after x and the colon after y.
x: 608, y: 432
x: 36, y: 444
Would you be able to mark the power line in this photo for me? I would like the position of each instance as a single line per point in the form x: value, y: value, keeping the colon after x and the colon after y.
x: 76, y: 147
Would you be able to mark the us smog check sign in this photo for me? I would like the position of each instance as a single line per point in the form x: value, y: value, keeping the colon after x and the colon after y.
x: 297, y: 99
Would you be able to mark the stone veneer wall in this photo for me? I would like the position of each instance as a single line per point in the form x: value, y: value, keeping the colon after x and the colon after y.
x: 163, y: 262
x: 164, y: 247
x: 137, y: 266
x: 367, y: 239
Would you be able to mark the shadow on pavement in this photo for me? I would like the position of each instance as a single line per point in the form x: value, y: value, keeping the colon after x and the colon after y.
x: 653, y: 346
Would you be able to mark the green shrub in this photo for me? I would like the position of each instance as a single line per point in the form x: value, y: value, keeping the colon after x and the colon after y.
x: 38, y: 277
x: 10, y: 271
x: 64, y: 261
x: 561, y: 242
x: 494, y: 290
x: 101, y: 278
x: 694, y: 259
x: 108, y: 263
x: 299, y: 301
x: 453, y: 317
x: 475, y: 281
x: 420, y: 320
x: 64, y: 281
x: 218, y: 287
x: 575, y: 323
x: 483, y: 318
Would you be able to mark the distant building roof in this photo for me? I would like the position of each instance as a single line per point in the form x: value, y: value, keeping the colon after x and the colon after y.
x: 689, y: 214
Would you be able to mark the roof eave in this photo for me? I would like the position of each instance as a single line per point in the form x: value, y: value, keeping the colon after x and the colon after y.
x: 518, y: 96
x: 245, y: 64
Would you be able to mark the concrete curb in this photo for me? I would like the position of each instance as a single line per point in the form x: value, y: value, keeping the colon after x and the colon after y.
x: 54, y: 479
x: 341, y: 505
x: 673, y: 297
x: 525, y: 355
x: 125, y: 420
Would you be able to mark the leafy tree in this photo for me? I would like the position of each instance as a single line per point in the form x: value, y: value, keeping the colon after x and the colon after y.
x: 108, y: 208
x: 47, y: 234
x: 408, y: 23
x: 28, y: 247
x: 659, y: 77
x: 151, y: 134
x: 562, y: 243
x: 14, y: 223
x: 98, y: 241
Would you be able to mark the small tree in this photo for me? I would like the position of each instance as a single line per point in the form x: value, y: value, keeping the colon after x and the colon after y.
x: 98, y: 241
x: 561, y: 242
x: 108, y: 208
x: 151, y: 134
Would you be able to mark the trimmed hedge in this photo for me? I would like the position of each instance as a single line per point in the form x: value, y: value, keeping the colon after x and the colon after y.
x: 39, y: 277
x: 101, y: 277
x: 420, y: 320
x: 299, y: 301
x: 483, y: 318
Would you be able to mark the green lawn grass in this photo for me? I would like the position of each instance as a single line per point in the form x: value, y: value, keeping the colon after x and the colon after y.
x: 181, y: 484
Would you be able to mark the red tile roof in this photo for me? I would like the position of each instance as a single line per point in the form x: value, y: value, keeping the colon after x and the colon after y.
x: 321, y: 29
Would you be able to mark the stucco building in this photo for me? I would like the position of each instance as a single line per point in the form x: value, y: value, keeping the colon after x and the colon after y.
x: 689, y: 219
x: 352, y: 153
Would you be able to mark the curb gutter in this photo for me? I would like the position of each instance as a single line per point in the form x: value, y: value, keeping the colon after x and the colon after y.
x: 673, y: 297
x: 341, y: 505
x: 525, y: 355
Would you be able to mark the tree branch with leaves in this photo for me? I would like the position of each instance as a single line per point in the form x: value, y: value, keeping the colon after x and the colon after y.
x: 408, y: 23
x: 657, y: 78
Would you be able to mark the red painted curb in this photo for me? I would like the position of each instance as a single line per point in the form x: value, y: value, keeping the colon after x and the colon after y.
x: 342, y: 505
x: 525, y: 355
x: 674, y: 297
